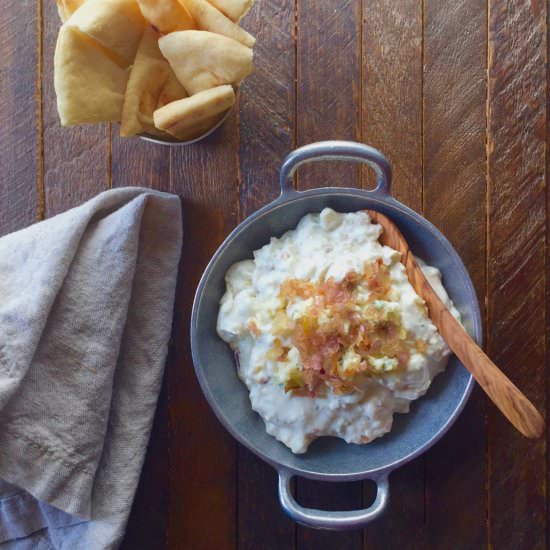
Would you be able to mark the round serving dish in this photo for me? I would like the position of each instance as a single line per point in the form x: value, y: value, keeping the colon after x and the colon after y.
x: 328, y: 458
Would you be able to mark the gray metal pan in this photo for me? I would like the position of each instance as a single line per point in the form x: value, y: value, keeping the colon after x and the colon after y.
x: 331, y: 459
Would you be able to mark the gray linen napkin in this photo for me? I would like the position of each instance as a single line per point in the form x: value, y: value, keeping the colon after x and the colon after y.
x: 86, y: 304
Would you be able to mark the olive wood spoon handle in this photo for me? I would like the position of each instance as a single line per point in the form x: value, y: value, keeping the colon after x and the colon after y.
x: 504, y: 394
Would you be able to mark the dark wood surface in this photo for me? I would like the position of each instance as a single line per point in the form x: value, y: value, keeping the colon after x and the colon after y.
x: 455, y: 93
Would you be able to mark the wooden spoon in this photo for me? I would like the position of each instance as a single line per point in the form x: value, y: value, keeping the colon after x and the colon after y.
x: 504, y: 394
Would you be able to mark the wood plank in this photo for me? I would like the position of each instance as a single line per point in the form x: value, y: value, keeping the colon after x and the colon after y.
x: 261, y: 522
x: 328, y: 101
x: 328, y: 94
x: 267, y: 98
x: 547, y: 350
x: 202, y: 454
x: 135, y: 162
x: 455, y: 37
x: 266, y: 135
x: 392, y: 92
x: 392, y: 122
x: 517, y: 130
x: 76, y: 159
x: 19, y: 115
x: 148, y: 522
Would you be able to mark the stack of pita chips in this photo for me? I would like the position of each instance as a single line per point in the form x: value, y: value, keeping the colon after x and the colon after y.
x: 167, y: 68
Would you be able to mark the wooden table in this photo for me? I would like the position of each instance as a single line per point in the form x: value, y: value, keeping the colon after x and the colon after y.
x: 455, y: 93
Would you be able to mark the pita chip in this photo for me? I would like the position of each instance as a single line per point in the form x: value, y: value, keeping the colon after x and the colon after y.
x: 203, y: 60
x: 234, y: 9
x: 66, y: 8
x: 171, y: 90
x: 117, y: 25
x: 187, y: 118
x: 166, y: 15
x: 89, y: 85
x: 148, y: 77
x: 211, y: 19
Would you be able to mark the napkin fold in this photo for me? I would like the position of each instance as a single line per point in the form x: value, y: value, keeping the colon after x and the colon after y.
x: 86, y: 305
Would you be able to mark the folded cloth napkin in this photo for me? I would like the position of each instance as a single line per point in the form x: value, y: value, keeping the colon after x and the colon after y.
x: 86, y: 305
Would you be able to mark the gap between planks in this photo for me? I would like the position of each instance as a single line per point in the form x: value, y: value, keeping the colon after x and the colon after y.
x: 39, y: 114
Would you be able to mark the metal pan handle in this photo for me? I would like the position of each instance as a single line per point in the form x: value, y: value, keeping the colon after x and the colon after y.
x: 337, y: 150
x: 321, y: 519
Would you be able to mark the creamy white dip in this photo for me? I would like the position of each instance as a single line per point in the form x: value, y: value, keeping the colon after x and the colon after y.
x: 258, y: 319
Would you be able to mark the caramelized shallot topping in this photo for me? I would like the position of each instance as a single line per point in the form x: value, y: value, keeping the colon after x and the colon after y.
x: 340, y: 336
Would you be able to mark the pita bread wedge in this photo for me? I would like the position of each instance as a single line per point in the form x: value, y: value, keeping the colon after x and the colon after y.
x: 117, y: 25
x: 89, y: 86
x: 166, y: 15
x: 187, y: 118
x: 66, y: 8
x: 234, y: 9
x: 211, y: 19
x: 194, y: 131
x: 171, y: 90
x: 151, y: 82
x: 203, y: 60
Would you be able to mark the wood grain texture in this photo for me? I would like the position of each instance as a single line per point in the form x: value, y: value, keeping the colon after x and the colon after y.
x: 328, y: 106
x: 19, y: 115
x: 266, y: 102
x: 516, y: 150
x: 262, y: 523
x: 392, y: 92
x: 266, y: 134
x: 203, y: 465
x: 454, y: 160
x: 547, y: 348
x: 76, y: 159
x: 137, y: 163
x: 148, y: 521
x: 328, y: 92
x: 392, y: 122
